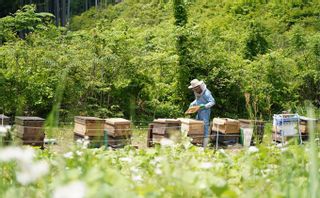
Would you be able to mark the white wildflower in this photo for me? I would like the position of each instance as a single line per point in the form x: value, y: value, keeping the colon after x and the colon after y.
x: 158, y: 171
x: 219, y: 165
x: 85, y: 143
x: 30, y: 172
x: 222, y: 151
x: 200, y: 149
x: 79, y: 153
x: 206, y: 165
x: 17, y: 153
x: 166, y: 142
x: 3, y: 130
x: 134, y: 170
x: 68, y: 155
x: 125, y: 159
x: 253, y: 149
x: 79, y: 141
x: 72, y: 190
x: 137, y: 178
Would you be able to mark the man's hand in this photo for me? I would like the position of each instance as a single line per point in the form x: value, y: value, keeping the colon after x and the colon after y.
x: 202, y: 106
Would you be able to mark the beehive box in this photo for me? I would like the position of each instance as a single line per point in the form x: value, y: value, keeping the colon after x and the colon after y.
x: 225, y: 138
x: 192, y: 126
x: 165, y: 126
x: 4, y: 120
x: 277, y: 137
x: 198, y: 140
x: 226, y: 125
x: 88, y: 126
x: 258, y: 129
x: 304, y: 124
x: 118, y: 127
x: 119, y: 141
x: 30, y: 130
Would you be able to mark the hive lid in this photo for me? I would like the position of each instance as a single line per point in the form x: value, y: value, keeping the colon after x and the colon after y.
x: 29, y: 118
x: 303, y: 118
x: 225, y: 121
x: 86, y: 118
x: 190, y: 121
x: 117, y: 121
x: 3, y: 116
x: 251, y: 121
x: 166, y: 120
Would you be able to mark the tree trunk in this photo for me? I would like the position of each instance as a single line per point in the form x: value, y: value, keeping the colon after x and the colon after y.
x: 46, y: 6
x: 68, y: 10
x: 57, y: 12
x: 63, y: 13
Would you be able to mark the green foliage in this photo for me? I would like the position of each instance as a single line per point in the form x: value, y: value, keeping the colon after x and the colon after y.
x: 135, y: 59
x: 174, y: 171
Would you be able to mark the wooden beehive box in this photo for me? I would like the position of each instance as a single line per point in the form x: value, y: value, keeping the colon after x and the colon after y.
x: 165, y: 126
x: 88, y: 126
x: 118, y: 127
x: 192, y: 126
x: 4, y: 120
x: 226, y: 125
x: 30, y: 130
x: 305, y: 121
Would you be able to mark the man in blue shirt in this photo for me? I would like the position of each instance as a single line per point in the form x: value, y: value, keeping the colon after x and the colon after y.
x: 205, y: 100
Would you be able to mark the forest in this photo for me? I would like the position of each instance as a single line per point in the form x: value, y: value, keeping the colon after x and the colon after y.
x: 94, y: 94
x: 135, y: 59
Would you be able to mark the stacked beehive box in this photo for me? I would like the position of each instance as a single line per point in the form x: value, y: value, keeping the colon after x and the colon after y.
x: 305, y: 124
x: 285, y: 127
x: 119, y: 132
x: 30, y: 130
x: 258, y: 129
x: 194, y: 129
x: 90, y: 127
x: 226, y: 130
x: 162, y: 128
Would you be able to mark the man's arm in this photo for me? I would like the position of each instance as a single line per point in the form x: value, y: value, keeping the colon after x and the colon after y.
x: 194, y: 103
x: 210, y: 99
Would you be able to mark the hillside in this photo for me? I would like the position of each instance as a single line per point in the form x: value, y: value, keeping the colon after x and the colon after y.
x: 256, y: 58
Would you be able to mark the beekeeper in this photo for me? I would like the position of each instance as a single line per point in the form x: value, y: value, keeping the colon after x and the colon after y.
x: 205, y: 100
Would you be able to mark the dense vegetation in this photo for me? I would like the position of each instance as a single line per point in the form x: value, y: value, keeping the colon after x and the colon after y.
x: 127, y: 60
x: 170, y: 171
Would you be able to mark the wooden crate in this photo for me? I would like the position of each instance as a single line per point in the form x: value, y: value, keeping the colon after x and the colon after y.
x: 165, y: 126
x: 192, y: 126
x: 30, y: 130
x: 88, y: 126
x: 118, y: 127
x: 258, y: 129
x: 4, y: 120
x: 226, y: 125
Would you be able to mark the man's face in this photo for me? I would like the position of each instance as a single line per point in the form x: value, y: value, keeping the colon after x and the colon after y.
x: 197, y: 89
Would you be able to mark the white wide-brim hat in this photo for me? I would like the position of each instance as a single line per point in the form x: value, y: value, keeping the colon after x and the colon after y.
x: 194, y: 83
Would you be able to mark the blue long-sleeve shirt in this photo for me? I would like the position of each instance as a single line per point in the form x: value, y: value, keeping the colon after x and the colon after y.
x: 207, y: 99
